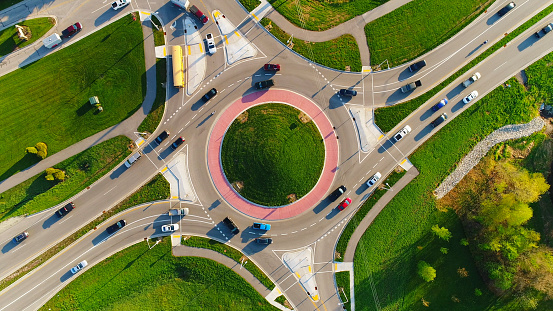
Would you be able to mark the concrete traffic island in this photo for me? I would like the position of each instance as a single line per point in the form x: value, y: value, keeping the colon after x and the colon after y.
x: 301, y: 265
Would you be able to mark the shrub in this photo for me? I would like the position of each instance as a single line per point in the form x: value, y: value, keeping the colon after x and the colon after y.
x: 426, y: 272
x: 31, y: 150
x: 55, y: 174
x: 41, y: 150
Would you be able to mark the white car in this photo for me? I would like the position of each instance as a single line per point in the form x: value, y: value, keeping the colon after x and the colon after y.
x: 79, y: 267
x: 210, y: 43
x: 470, y: 97
x: 170, y: 228
x: 472, y: 79
x: 119, y: 4
x: 373, y: 179
x: 404, y: 131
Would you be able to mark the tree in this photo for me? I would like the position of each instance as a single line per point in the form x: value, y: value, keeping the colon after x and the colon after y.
x: 55, y: 174
x: 40, y: 149
x: 442, y: 232
x: 31, y: 150
x: 444, y: 250
x: 426, y: 272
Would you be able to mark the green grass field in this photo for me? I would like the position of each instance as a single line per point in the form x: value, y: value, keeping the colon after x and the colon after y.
x: 139, y: 278
x: 9, y: 39
x: 37, y: 193
x: 388, y: 252
x: 273, y: 142
x: 388, y: 117
x: 4, y: 4
x: 230, y: 252
x: 337, y: 53
x: 322, y: 15
x: 342, y: 281
x: 250, y: 4
x: 159, y: 37
x: 418, y: 27
x: 152, y: 120
x: 55, y: 92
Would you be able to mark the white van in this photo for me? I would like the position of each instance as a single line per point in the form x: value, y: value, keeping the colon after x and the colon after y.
x: 52, y: 41
x: 181, y: 3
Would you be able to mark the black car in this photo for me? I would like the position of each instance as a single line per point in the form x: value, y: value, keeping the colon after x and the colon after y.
x: 116, y: 226
x: 66, y: 209
x: 439, y: 120
x: 22, y: 236
x: 265, y: 241
x: 231, y: 225
x: 177, y: 143
x: 418, y: 65
x: 209, y: 95
x: 506, y: 9
x: 162, y: 136
x: 337, y: 193
x: 346, y: 92
x: 264, y: 84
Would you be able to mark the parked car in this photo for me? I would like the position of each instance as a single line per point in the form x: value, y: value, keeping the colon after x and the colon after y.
x: 264, y: 84
x: 178, y: 211
x: 120, y: 4
x: 545, y: 30
x: 162, y: 136
x: 194, y: 10
x: 177, y: 143
x: 506, y: 9
x: 79, y: 266
x: 170, y: 228
x: 231, y: 225
x: 261, y: 226
x: 133, y: 158
x: 346, y: 92
x: 439, y: 120
x: 264, y: 241
x: 418, y: 65
x: 210, y: 94
x: 373, y: 179
x: 345, y: 203
x: 20, y: 237
x: 404, y: 131
x: 470, y: 97
x: 210, y: 43
x: 472, y: 79
x: 66, y: 209
x: 337, y: 193
x: 411, y: 86
x: 71, y: 30
x: 116, y: 226
x: 272, y: 67
x: 439, y: 105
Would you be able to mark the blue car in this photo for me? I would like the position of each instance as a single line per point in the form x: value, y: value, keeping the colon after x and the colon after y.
x: 439, y: 105
x: 260, y: 226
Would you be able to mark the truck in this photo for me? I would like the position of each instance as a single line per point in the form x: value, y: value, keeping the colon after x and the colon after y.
x: 472, y: 79
x: 264, y: 84
x: 52, y: 41
x: 545, y: 30
x: 132, y: 159
x: 411, y: 86
x: 178, y: 212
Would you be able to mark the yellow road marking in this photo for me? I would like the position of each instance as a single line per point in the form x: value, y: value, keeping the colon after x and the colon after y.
x: 164, y: 169
x: 404, y: 160
x: 380, y: 137
x: 237, y: 34
x: 298, y: 274
x: 201, y: 49
x: 216, y: 14
x: 164, y: 51
x: 174, y: 197
x: 309, y: 269
x: 314, y: 304
x: 189, y: 51
x: 145, y: 13
x: 255, y: 17
x: 335, y: 266
x: 278, y: 290
x: 226, y: 39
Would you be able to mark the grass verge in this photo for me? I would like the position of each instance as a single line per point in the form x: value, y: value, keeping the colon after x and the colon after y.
x: 57, y: 95
x: 362, y: 212
x: 250, y: 4
x: 342, y: 282
x: 9, y: 39
x: 273, y: 140
x: 230, y: 252
x: 139, y: 278
x: 152, y: 120
x: 4, y: 4
x: 388, y: 253
x: 159, y: 37
x: 418, y: 27
x: 388, y: 117
x: 337, y: 53
x: 322, y: 15
x: 156, y: 189
x: 83, y: 169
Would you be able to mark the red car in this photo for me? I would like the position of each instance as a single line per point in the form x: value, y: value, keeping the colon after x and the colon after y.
x: 71, y: 30
x: 344, y: 204
x: 272, y: 67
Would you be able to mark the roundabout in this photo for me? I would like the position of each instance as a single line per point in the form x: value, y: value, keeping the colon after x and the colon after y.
x: 226, y: 189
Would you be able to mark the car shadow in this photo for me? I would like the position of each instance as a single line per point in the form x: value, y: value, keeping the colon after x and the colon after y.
x: 336, y: 101
x: 253, y: 247
x: 406, y: 74
x: 397, y: 96
x: 427, y: 114
x: 9, y: 246
x: 120, y: 170
x: 214, y: 205
x: 106, y: 16
x: 423, y: 132
x: 528, y: 42
x: 198, y: 104
x: 458, y: 106
x: 385, y: 146
x: 100, y: 238
x: 494, y: 18
x: 332, y: 213
x: 165, y: 153
x: 249, y: 233
x: 216, y: 234
x: 50, y: 221
x: 455, y: 91
x: 322, y: 205
x: 67, y: 275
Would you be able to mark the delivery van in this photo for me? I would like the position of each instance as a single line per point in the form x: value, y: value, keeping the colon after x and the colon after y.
x: 52, y: 41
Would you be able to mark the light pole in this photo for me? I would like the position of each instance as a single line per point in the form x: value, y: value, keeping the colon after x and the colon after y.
x: 156, y: 243
x: 389, y: 188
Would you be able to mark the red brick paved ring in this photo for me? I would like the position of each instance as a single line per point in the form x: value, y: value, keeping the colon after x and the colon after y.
x: 216, y: 142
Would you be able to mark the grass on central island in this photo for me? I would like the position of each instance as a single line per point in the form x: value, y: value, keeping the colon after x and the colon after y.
x: 273, y: 154
x: 139, y: 278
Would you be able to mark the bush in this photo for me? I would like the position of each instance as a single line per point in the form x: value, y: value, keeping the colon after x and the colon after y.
x: 31, y: 150
x: 42, y: 150
x: 55, y: 174
x: 426, y: 272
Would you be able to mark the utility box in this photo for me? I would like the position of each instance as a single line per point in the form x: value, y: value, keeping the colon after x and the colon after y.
x: 52, y: 41
x: 94, y: 101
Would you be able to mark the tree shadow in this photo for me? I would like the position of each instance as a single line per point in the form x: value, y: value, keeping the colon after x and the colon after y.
x: 26, y: 162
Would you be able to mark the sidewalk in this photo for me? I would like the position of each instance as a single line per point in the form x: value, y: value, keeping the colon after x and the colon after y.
x: 126, y: 127
x: 377, y: 208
